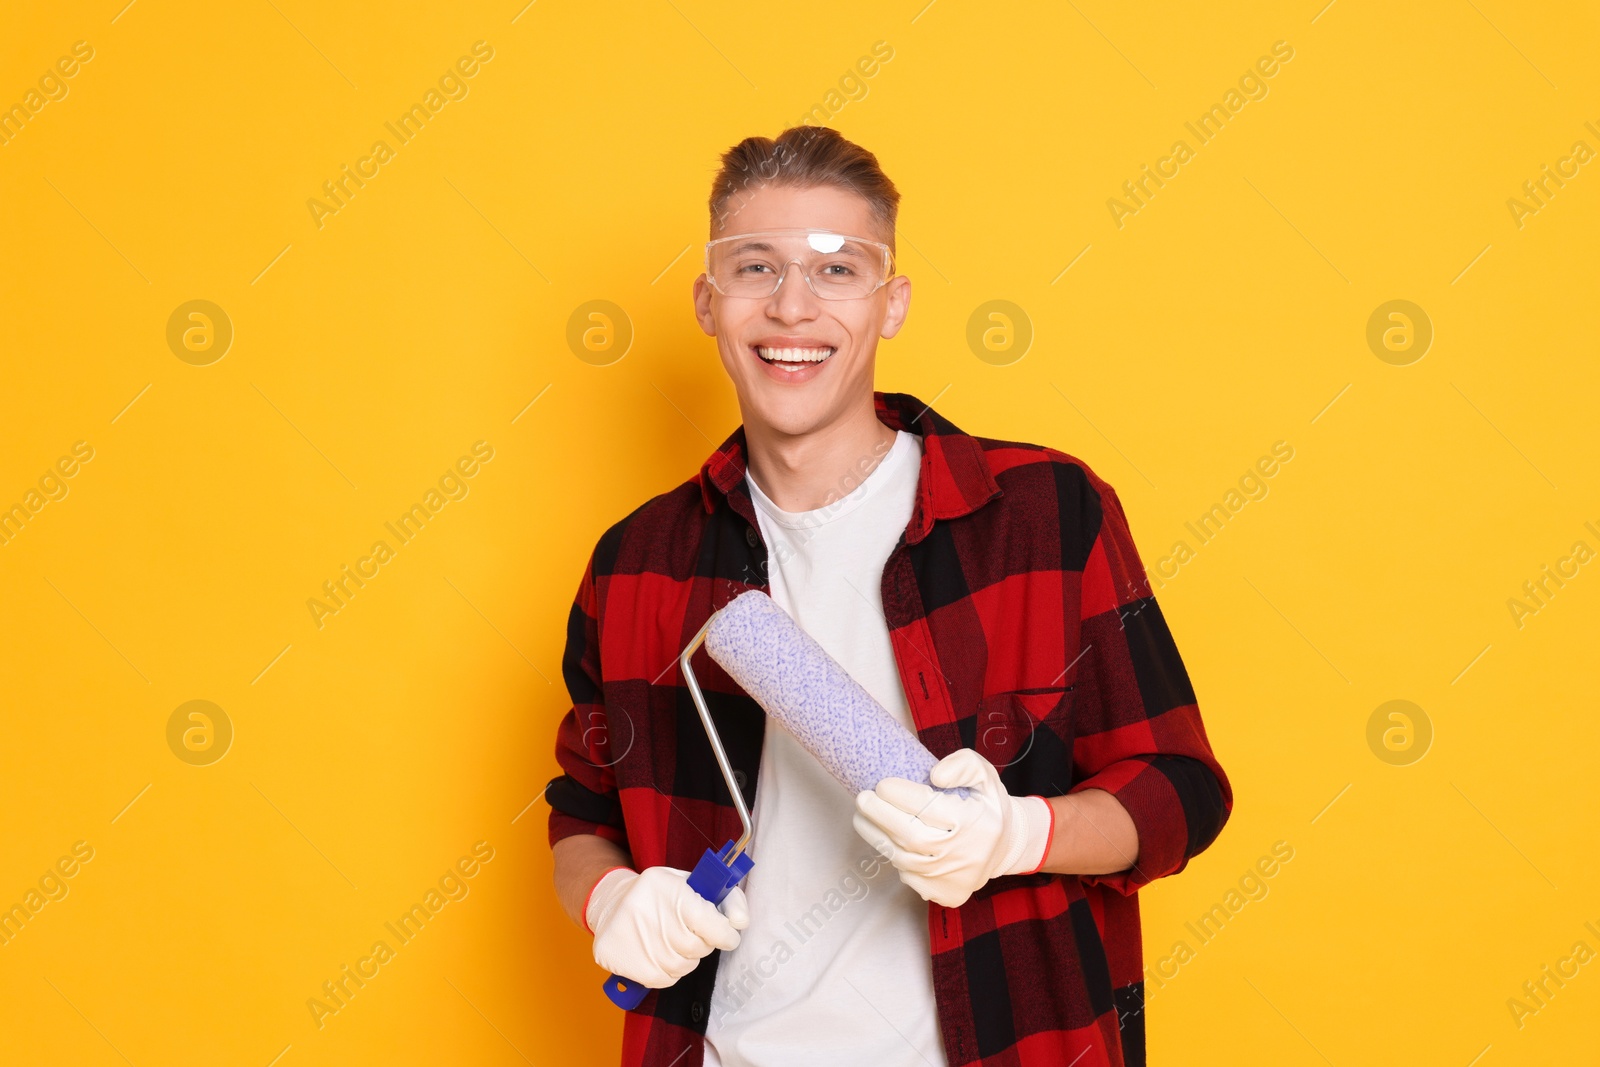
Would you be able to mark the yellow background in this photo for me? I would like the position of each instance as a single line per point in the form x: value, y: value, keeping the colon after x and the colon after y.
x: 370, y: 353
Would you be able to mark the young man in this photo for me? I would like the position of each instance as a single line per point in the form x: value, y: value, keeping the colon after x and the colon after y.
x: 986, y: 592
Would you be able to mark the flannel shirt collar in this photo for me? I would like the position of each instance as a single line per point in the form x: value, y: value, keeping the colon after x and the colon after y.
x: 955, y: 479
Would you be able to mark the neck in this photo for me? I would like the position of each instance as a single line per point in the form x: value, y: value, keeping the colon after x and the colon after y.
x: 803, y: 472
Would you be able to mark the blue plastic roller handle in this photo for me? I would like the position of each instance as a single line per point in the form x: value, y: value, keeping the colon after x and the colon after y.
x: 712, y: 878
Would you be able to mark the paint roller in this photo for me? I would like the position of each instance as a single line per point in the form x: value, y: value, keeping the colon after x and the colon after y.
x: 791, y: 676
x: 827, y: 711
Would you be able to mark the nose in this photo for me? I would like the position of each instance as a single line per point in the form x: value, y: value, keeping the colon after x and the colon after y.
x: 791, y: 303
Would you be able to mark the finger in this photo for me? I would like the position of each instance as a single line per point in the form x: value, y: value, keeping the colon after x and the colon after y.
x: 653, y: 977
x: 873, y: 835
x: 880, y: 811
x: 917, y: 884
x: 945, y: 811
x: 920, y: 831
x: 964, y: 766
x: 937, y: 891
x: 905, y: 794
x: 673, y: 968
x: 677, y: 930
x: 678, y: 943
x: 702, y: 919
x: 645, y: 972
x: 900, y: 853
x: 908, y: 862
x: 930, y: 806
x: 898, y: 846
x: 736, y: 908
x: 899, y: 824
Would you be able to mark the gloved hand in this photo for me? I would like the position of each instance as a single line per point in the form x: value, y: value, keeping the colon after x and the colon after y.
x: 651, y: 927
x: 945, y: 847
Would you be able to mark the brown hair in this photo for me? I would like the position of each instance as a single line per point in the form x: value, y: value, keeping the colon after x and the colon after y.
x: 803, y: 156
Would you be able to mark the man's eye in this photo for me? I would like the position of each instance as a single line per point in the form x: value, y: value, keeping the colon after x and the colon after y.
x: 752, y: 268
x: 838, y: 270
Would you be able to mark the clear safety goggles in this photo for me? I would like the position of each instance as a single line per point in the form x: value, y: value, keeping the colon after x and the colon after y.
x: 836, y: 266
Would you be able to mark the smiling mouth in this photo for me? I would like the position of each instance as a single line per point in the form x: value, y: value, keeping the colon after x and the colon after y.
x: 792, y: 359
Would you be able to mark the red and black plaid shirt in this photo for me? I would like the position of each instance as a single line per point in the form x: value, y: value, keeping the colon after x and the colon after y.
x: 1022, y: 625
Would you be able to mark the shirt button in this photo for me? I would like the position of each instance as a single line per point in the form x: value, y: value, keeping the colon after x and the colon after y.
x: 751, y: 538
x: 697, y: 1011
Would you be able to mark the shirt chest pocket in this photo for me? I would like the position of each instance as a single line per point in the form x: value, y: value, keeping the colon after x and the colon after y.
x: 1027, y: 734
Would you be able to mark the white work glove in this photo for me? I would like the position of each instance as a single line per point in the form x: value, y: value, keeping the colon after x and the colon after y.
x: 652, y: 928
x: 945, y: 847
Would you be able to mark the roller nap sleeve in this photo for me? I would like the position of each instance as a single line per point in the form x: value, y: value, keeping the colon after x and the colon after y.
x: 795, y: 680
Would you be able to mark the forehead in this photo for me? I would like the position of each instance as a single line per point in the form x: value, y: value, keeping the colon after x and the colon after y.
x: 817, y: 207
x: 794, y: 240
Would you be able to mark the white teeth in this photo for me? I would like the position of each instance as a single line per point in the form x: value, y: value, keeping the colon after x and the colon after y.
x: 794, y: 355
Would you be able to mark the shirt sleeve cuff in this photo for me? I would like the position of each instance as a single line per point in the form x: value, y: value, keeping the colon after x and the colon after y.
x: 1159, y: 820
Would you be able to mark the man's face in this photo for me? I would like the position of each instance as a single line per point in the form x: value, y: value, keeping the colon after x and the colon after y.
x: 802, y: 401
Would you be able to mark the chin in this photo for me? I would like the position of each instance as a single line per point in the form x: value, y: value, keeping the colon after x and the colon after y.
x: 793, y: 415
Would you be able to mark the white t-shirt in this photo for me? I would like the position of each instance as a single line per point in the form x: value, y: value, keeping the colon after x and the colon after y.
x: 835, y: 966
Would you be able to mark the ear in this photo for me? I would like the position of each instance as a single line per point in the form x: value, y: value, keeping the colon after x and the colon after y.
x: 702, y: 306
x: 899, y: 305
